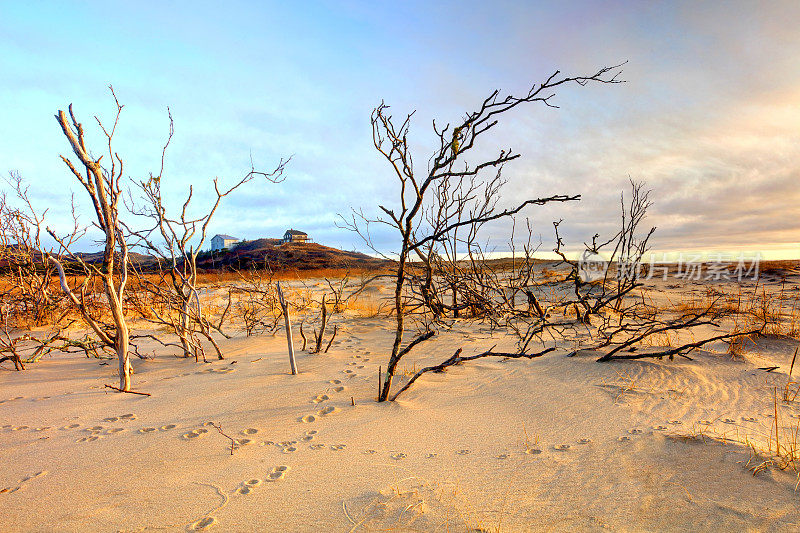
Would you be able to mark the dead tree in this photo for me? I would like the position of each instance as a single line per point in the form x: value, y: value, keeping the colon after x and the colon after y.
x: 103, y: 184
x: 29, y: 273
x: 176, y: 239
x: 450, y: 169
x: 607, y: 296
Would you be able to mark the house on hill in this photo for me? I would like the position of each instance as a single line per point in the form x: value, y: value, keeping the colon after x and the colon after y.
x: 220, y: 241
x: 293, y: 235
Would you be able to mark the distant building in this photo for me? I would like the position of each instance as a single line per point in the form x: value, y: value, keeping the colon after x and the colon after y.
x: 293, y: 235
x: 219, y: 241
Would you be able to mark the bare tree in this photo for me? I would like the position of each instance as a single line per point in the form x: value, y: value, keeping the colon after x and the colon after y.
x: 177, y: 239
x: 466, y: 200
x: 103, y: 184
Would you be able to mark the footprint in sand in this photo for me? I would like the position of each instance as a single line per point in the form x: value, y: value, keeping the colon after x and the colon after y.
x: 146, y: 430
x: 204, y: 523
x: 502, y: 456
x: 749, y: 419
x: 326, y: 411
x: 562, y: 447
x: 635, y: 431
x: 624, y: 438
x: 309, y: 435
x: 110, y: 419
x: 250, y: 431
x: 167, y: 427
x: 398, y: 456
x: 675, y: 422
x: 243, y: 442
x: 43, y: 428
x: 316, y: 446
x: 338, y: 389
x: 584, y: 441
x: 335, y: 382
x: 71, y: 426
x: 462, y: 452
x: 193, y: 434
x: 338, y: 447
x: 359, y: 367
x: 533, y: 451
x: 114, y: 430
x: 348, y: 371
x: 19, y: 428
x: 659, y: 428
x: 729, y: 420
x: 704, y: 422
x: 320, y: 398
x: 370, y: 452
x: 279, y: 472
x: 431, y: 455
x: 307, y: 419
x: 289, y: 449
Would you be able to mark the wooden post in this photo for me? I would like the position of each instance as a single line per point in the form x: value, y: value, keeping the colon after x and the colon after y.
x: 288, y: 323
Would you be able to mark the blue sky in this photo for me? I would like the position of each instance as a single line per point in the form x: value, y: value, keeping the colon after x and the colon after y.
x: 709, y: 116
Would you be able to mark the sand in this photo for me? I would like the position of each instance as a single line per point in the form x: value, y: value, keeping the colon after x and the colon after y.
x: 556, y: 443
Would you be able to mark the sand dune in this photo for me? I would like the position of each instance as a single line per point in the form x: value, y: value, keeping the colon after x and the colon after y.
x: 556, y: 443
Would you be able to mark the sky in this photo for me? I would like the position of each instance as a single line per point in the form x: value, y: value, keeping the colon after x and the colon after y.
x: 708, y: 116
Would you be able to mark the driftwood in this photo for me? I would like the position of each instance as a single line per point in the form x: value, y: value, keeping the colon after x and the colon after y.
x: 457, y: 359
x: 128, y: 391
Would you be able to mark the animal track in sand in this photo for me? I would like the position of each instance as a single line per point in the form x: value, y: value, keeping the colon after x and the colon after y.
x: 23, y: 481
x: 110, y: 419
x: 193, y: 434
x: 431, y: 455
x: 128, y: 417
x: 327, y: 410
x: 321, y: 398
x: 729, y: 420
x: 462, y: 452
x: 114, y: 430
x: 309, y: 435
x: 749, y: 419
x: 250, y: 431
x: 316, y: 446
x: 502, y: 456
x: 289, y: 449
x: 337, y: 447
x: 334, y: 382
x: 244, y: 442
x: 370, y: 452
x: 635, y: 431
x: 71, y: 426
x: 19, y: 428
x: 167, y: 427
x: 659, y: 428
x: 584, y: 441
x: 675, y: 422
x: 146, y: 430
x: 204, y: 523
x: 398, y: 456
x: 704, y: 422
x: 338, y: 389
x: 279, y: 472
x: 624, y: 438
x: 533, y: 451
x: 562, y: 447
x: 347, y: 371
x: 307, y: 419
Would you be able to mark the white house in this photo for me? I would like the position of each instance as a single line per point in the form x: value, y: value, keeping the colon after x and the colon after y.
x: 293, y: 235
x: 219, y: 241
